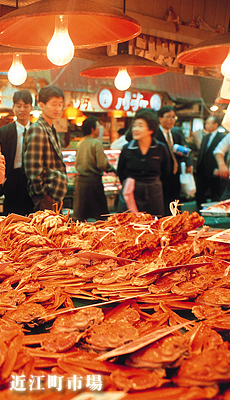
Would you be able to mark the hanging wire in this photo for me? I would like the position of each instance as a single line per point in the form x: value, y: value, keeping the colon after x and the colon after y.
x: 124, y: 4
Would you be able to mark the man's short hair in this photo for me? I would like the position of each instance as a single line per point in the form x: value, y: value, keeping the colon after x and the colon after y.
x: 216, y: 119
x: 47, y: 92
x: 165, y: 109
x: 150, y: 117
x: 88, y: 124
x: 24, y: 95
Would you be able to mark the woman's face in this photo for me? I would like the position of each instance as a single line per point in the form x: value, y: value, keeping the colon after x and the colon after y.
x: 140, y: 129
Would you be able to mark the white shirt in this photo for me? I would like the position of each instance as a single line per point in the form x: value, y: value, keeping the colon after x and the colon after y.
x: 118, y: 143
x: 211, y: 137
x: 223, y: 146
x: 18, y: 155
x: 166, y: 134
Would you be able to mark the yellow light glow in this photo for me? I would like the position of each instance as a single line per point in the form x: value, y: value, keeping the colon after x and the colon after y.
x: 60, y: 49
x: 225, y: 67
x: 17, y: 73
x: 214, y: 107
x: 122, y: 80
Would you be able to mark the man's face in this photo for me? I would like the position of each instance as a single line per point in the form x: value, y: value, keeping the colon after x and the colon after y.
x: 210, y: 125
x: 168, y: 120
x: 22, y: 111
x: 53, y: 108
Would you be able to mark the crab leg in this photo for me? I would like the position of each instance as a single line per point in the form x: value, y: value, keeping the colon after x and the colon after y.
x: 141, y: 342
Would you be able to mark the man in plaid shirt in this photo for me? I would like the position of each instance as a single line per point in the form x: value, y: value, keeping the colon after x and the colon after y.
x: 42, y: 158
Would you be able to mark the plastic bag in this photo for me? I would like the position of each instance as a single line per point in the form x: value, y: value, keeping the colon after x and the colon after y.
x: 187, y: 182
x: 128, y: 193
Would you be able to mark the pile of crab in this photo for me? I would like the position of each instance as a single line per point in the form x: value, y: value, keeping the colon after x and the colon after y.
x: 156, y: 317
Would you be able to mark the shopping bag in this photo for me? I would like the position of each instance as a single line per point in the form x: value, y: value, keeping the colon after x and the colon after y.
x: 128, y: 194
x: 187, y: 182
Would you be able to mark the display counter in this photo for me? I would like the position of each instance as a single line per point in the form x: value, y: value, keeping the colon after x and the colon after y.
x: 110, y: 182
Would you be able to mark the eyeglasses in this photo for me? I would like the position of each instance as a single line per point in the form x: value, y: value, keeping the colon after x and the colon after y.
x: 170, y: 117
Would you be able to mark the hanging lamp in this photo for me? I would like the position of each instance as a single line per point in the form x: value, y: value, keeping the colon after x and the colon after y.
x: 33, y: 60
x: 135, y: 67
x: 90, y: 24
x: 208, y: 53
x: 17, y: 62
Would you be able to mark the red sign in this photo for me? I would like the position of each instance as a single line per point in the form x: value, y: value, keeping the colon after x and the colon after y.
x: 112, y: 99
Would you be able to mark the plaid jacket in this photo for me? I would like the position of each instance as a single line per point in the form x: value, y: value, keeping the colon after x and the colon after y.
x: 43, y: 162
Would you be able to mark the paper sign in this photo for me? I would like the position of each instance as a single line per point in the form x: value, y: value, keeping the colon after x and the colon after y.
x: 223, y: 236
x: 101, y: 396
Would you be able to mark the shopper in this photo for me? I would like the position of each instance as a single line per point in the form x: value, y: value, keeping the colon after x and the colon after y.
x: 169, y: 135
x: 43, y: 162
x: 14, y: 189
x: 142, y: 164
x: 121, y: 141
x: 207, y: 174
x: 91, y: 161
x: 220, y: 154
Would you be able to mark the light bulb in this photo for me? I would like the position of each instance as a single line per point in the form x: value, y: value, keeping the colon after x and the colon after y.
x: 60, y: 49
x: 122, y: 80
x: 17, y: 73
x: 214, y: 107
x: 225, y: 66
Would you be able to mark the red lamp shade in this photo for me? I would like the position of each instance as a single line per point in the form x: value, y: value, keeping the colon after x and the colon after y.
x: 32, y: 60
x: 90, y: 24
x: 136, y: 67
x: 208, y: 53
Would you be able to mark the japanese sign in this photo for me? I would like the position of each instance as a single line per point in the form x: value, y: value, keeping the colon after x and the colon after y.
x: 112, y: 99
x: 75, y: 383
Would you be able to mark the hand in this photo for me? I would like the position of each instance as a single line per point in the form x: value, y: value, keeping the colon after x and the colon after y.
x: 216, y: 172
x: 2, y: 168
x: 189, y: 169
x: 223, y: 171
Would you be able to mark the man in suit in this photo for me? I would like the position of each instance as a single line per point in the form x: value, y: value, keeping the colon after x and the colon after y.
x: 171, y: 135
x: 207, y: 173
x: 17, y: 199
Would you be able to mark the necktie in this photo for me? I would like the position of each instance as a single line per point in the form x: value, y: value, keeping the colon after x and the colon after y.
x: 170, y: 144
x: 24, y: 133
x: 207, y: 142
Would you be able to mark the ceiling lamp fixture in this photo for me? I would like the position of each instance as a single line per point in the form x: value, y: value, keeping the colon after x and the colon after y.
x: 122, y: 80
x: 23, y: 62
x: 90, y: 24
x: 60, y: 49
x: 209, y: 53
x: 17, y: 73
x: 126, y: 64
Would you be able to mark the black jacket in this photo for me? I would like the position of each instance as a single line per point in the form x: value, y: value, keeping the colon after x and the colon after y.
x: 178, y: 138
x: 133, y: 164
x: 8, y: 143
x: 206, y: 161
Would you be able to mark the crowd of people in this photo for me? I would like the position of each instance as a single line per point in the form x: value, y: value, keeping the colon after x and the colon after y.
x: 33, y: 175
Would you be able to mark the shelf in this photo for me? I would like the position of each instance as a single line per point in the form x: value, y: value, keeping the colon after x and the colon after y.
x: 166, y: 30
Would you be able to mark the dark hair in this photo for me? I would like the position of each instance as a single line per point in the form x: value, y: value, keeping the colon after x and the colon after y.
x: 47, y: 92
x: 150, y: 117
x: 121, y: 131
x: 128, y: 134
x: 25, y: 95
x: 89, y: 123
x: 216, y: 119
x: 165, y: 109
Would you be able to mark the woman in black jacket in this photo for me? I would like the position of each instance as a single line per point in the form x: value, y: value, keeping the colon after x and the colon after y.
x: 143, y: 162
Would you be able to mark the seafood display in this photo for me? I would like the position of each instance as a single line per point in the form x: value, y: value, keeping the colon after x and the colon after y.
x: 141, y: 304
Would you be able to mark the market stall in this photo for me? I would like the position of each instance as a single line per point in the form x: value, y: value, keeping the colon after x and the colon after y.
x: 133, y: 307
x: 110, y: 182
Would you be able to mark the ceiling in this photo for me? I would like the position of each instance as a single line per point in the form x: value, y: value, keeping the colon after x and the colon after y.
x: 13, y: 3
